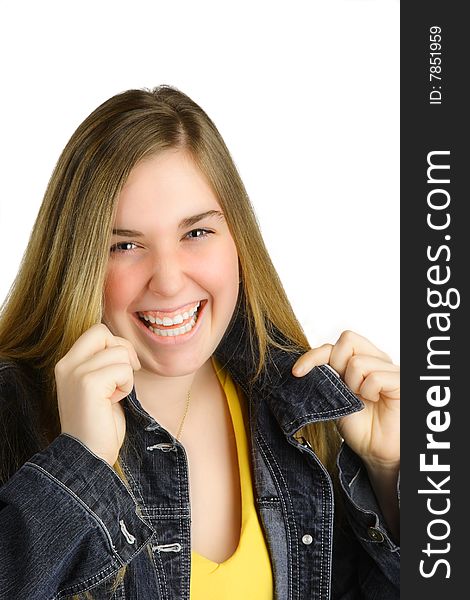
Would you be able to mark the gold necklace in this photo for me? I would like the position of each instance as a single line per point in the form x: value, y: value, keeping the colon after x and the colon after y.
x: 184, y: 416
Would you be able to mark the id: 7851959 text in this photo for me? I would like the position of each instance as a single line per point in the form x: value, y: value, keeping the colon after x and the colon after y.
x: 435, y: 64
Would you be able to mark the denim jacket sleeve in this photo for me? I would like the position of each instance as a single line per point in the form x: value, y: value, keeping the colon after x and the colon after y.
x: 67, y: 522
x: 365, y: 517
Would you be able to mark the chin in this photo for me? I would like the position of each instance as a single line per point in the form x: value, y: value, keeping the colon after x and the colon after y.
x: 174, y: 366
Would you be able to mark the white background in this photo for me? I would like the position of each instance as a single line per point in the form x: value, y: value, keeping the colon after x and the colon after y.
x: 305, y: 94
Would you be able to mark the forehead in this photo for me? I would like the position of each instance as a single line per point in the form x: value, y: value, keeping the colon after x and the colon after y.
x: 170, y: 182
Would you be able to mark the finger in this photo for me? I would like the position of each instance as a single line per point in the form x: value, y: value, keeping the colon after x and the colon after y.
x: 112, y: 341
x: 379, y: 383
x: 350, y: 343
x: 109, y: 356
x: 95, y: 339
x: 135, y: 362
x: 114, y: 381
x: 312, y: 358
x: 360, y: 366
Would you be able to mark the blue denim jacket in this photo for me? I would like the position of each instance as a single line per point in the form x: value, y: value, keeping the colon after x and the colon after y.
x: 68, y: 523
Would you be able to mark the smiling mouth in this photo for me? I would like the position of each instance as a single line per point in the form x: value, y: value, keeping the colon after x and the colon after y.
x: 174, y: 326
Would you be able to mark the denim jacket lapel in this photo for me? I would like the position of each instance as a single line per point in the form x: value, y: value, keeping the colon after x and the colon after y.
x: 295, y: 401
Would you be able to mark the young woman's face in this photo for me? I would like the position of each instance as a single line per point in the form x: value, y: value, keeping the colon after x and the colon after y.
x: 171, y: 252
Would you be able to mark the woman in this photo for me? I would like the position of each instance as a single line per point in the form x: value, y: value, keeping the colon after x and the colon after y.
x: 154, y: 440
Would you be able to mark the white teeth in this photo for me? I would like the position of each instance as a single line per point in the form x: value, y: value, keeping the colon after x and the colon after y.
x: 176, y: 331
x: 193, y: 310
x: 168, y: 321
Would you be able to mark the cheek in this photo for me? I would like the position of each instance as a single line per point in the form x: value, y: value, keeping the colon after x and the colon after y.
x: 118, y: 289
x: 216, y: 271
x: 225, y: 273
x: 111, y: 298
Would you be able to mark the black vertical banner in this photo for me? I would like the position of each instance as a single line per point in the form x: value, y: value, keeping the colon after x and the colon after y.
x: 435, y: 496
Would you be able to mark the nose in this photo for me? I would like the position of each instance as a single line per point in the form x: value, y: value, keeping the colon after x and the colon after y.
x: 167, y: 276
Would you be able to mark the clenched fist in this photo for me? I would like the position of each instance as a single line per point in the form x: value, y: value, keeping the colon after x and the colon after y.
x: 92, y: 379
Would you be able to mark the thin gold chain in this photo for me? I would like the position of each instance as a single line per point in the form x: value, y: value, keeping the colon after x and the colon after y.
x: 184, y: 416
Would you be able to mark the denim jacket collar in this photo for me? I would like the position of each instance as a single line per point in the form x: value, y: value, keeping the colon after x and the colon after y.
x: 294, y: 401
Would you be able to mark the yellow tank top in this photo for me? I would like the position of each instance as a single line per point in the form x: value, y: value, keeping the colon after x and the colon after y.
x: 247, y: 573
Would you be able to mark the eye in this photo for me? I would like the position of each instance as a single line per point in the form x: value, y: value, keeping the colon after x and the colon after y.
x: 123, y: 247
x: 197, y: 234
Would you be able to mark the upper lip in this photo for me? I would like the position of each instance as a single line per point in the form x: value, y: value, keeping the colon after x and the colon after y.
x: 171, y: 310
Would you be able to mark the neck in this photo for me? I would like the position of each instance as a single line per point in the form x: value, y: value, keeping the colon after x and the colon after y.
x: 164, y: 398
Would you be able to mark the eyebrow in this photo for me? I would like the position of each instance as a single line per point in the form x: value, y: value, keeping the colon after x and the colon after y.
x: 187, y: 222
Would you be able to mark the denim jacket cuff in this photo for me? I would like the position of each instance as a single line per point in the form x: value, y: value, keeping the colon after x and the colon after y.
x: 98, y: 490
x: 364, y: 514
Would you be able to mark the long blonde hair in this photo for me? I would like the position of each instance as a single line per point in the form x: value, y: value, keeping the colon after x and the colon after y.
x: 58, y: 292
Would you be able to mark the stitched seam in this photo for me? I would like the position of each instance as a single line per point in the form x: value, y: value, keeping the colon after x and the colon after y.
x: 340, y: 387
x: 112, y: 471
x: 120, y: 593
x: 182, y: 558
x: 178, y: 479
x: 289, y: 554
x: 330, y: 497
x: 325, y: 582
x: 338, y: 384
x: 316, y: 414
x: 327, y: 501
x: 77, y: 588
x: 186, y: 558
x: 89, y: 511
x: 167, y: 517
x: 285, y: 512
x: 322, y: 536
x: 136, y: 490
x: 80, y: 502
x: 88, y: 451
x: 157, y: 509
x: 325, y: 486
x: 161, y: 580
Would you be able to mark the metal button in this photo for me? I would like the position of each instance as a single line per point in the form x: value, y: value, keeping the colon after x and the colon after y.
x: 375, y: 535
x: 307, y: 539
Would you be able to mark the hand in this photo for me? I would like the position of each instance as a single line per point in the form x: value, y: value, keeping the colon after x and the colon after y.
x: 92, y: 378
x: 373, y: 433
